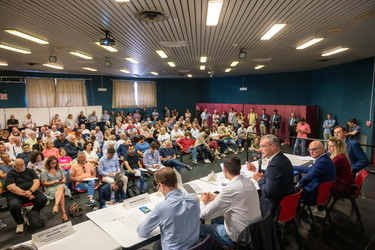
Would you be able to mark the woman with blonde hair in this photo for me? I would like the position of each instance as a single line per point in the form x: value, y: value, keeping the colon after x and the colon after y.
x: 339, y: 156
x: 53, y: 179
x: 50, y: 150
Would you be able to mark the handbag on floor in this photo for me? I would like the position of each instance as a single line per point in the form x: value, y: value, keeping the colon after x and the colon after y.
x: 75, y: 210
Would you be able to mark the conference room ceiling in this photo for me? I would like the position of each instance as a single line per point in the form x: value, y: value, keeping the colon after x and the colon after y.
x: 74, y: 25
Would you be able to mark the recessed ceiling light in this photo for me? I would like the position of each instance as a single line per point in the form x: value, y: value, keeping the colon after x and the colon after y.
x: 162, y: 54
x: 234, y: 63
x: 55, y: 66
x: 228, y: 69
x: 3, y: 64
x: 334, y: 51
x: 79, y: 54
x: 259, y: 66
x: 202, y: 67
x: 131, y: 60
x: 309, y: 43
x: 14, y: 49
x: 213, y: 12
x: 172, y: 64
x: 89, y: 69
x: 25, y: 36
x: 155, y: 73
x: 203, y: 59
x: 125, y: 71
x: 276, y: 28
x: 107, y: 47
x: 189, y: 75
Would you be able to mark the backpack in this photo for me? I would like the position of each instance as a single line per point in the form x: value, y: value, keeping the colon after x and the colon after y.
x: 75, y: 210
x: 132, y: 189
x: 210, y: 156
x: 34, y: 221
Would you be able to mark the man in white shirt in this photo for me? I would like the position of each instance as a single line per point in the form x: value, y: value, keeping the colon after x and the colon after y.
x: 15, y: 149
x: 29, y: 123
x: 238, y: 202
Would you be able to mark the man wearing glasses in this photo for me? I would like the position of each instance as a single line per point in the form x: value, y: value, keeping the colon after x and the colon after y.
x: 81, y: 171
x: 177, y: 216
x: 321, y: 171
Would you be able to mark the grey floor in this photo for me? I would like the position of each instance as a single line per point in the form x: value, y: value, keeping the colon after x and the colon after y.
x: 345, y: 235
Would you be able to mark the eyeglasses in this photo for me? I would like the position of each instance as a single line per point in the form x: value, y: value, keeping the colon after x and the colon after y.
x: 313, y: 149
x: 53, y: 162
x: 84, y: 169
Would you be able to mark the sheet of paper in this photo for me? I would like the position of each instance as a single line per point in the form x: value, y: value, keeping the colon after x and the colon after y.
x: 305, y: 158
x: 143, y: 169
x: 131, y: 220
x: 153, y: 169
x: 104, y: 216
x: 137, y: 173
x: 90, y: 179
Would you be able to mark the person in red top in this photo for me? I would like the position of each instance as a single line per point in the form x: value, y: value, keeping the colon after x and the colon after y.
x: 187, y: 145
x: 344, y: 175
x: 302, y: 129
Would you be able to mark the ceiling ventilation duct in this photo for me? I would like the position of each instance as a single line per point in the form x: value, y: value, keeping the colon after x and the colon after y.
x: 151, y: 15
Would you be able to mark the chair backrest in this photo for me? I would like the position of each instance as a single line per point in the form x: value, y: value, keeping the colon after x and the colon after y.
x: 207, y: 243
x: 288, y: 206
x: 359, y: 178
x: 324, y: 190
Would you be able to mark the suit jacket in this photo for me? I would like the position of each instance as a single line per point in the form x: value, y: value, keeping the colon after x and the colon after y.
x: 275, y: 121
x: 105, y: 195
x: 277, y: 183
x: 322, y: 170
x: 357, y: 157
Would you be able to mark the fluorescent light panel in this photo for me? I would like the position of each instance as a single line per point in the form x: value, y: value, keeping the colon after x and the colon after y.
x: 259, y: 66
x: 189, y: 75
x: 131, y: 60
x: 155, y: 73
x: 125, y: 71
x: 202, y: 67
x: 55, y: 66
x: 234, y: 63
x: 25, y: 36
x: 334, y: 51
x: 107, y: 47
x: 309, y: 43
x: 14, y: 49
x: 81, y: 55
x: 3, y: 64
x: 172, y: 64
x: 203, y: 59
x: 89, y: 69
x: 121, y: 1
x: 162, y: 54
x: 213, y: 12
x: 228, y: 69
x: 276, y: 28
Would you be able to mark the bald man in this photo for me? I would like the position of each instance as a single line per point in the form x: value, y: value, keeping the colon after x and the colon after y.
x: 321, y: 171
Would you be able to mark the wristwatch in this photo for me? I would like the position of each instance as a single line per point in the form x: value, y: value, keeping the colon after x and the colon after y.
x: 31, y: 191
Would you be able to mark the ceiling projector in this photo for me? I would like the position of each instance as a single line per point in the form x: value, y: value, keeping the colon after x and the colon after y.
x: 107, y: 41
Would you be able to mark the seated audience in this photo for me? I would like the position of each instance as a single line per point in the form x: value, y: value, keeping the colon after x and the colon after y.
x: 15, y: 149
x: 36, y: 162
x: 201, y: 145
x: 98, y: 134
x: 73, y: 147
x: 61, y: 141
x: 242, y: 136
x: 25, y: 155
x: 177, y: 215
x: 238, y: 202
x: 187, y: 146
x: 54, y: 132
x: 168, y: 157
x: 151, y: 158
x: 122, y: 150
x: 163, y: 135
x: 48, y: 137
x: 322, y: 170
x: 53, y: 179
x: 39, y: 145
x: 234, y: 137
x: 112, y: 193
x: 23, y: 136
x: 91, y: 155
x: 112, y: 141
x: 50, y: 150
x: 22, y: 185
x: 32, y: 139
x: 81, y: 171
x: 141, y: 146
x: 12, y: 122
x: 132, y: 165
x: 65, y: 162
x: 225, y: 135
x: 5, y: 166
x: 215, y: 142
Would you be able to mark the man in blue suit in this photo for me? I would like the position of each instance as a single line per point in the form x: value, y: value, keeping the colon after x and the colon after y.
x: 112, y: 193
x: 357, y: 157
x: 277, y: 181
x: 321, y: 171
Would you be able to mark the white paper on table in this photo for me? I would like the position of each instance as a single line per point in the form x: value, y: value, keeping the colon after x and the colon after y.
x: 137, y: 173
x: 90, y: 179
x: 104, y: 216
x: 305, y: 158
x: 131, y: 220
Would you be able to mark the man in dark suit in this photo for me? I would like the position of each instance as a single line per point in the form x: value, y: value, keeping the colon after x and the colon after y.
x: 277, y: 181
x: 275, y: 123
x: 322, y: 170
x: 357, y: 157
x: 105, y: 195
x: 292, y: 122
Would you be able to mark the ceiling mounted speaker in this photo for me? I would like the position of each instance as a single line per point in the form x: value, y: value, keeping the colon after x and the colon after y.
x: 151, y: 15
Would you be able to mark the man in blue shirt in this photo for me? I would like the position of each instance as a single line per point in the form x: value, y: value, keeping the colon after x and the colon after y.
x: 177, y: 216
x: 354, y: 131
x: 357, y: 157
x: 109, y: 167
x: 328, y: 126
x: 168, y: 157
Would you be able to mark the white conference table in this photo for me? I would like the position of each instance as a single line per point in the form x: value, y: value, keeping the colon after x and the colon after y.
x: 121, y: 223
x: 86, y: 236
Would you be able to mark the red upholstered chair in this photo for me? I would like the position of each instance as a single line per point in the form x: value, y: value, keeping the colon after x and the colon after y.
x: 287, y: 209
x: 359, y: 179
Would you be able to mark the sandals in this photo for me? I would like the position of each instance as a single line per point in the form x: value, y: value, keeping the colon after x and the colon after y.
x: 64, y: 217
x: 55, y: 209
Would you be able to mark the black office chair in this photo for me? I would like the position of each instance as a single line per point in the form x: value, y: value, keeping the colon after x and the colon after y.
x: 204, y: 245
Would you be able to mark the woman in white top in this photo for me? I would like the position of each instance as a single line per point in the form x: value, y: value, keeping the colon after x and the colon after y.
x: 163, y: 135
x: 215, y: 117
x: 155, y: 114
x: 69, y: 122
x: 91, y: 155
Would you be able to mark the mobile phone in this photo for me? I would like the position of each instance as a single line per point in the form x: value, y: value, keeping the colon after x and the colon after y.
x: 145, y: 209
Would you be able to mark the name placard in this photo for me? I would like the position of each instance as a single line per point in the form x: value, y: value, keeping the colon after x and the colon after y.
x: 136, y: 201
x: 52, y: 234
